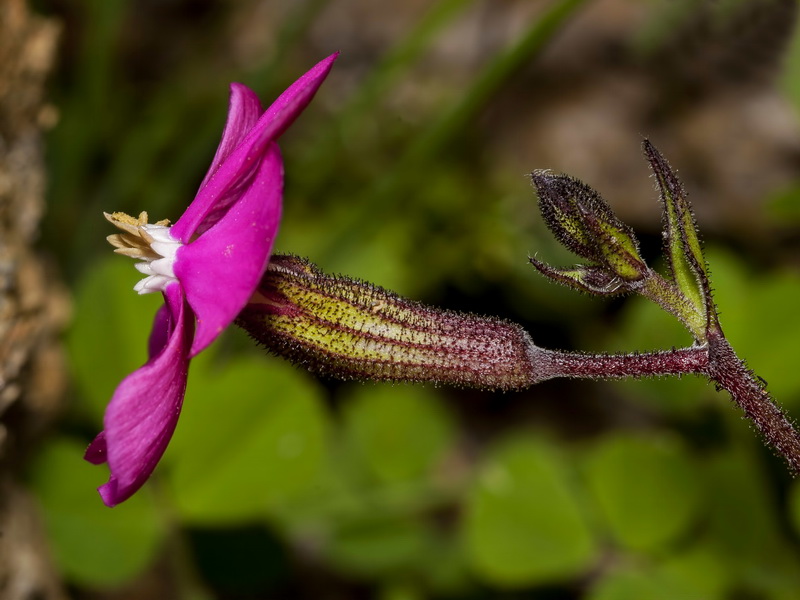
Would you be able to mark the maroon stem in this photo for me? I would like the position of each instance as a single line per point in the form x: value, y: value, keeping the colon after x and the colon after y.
x: 615, y: 366
x: 729, y: 372
x: 716, y: 360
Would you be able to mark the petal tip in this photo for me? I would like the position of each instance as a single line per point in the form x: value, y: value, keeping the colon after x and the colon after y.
x: 96, y: 453
x: 109, y: 493
x: 322, y: 68
x: 236, y: 87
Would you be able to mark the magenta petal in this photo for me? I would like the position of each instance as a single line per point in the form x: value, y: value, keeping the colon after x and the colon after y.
x: 293, y: 101
x: 220, y: 270
x: 143, y: 412
x: 159, y: 334
x: 96, y: 453
x: 222, y: 188
x: 244, y: 109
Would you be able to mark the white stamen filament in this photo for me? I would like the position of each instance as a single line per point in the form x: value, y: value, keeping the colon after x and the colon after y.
x: 150, y: 243
x: 158, y: 269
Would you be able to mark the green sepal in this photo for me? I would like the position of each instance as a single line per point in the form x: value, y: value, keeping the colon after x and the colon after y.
x: 682, y: 247
x: 618, y: 247
x: 592, y: 279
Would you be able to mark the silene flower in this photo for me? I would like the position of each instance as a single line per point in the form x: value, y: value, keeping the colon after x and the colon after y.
x: 207, y: 266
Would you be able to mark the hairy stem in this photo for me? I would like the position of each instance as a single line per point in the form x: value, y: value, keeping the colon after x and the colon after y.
x: 729, y: 372
x: 616, y: 366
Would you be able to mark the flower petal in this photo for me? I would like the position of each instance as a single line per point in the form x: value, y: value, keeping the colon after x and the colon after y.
x: 223, y: 187
x: 96, y: 453
x: 220, y: 270
x: 244, y: 109
x: 293, y: 101
x: 159, y: 334
x: 143, y: 412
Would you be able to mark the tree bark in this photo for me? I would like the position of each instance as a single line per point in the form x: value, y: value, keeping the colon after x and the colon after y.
x: 33, y: 305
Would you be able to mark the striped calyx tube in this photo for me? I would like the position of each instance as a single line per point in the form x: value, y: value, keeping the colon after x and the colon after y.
x: 350, y: 329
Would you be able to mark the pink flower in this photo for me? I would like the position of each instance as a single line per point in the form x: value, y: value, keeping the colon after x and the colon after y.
x: 207, y: 266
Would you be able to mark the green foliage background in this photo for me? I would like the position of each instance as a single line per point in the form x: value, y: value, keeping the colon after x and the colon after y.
x: 279, y: 485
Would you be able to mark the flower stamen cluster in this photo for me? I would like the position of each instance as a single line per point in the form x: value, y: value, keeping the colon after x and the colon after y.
x: 150, y: 242
x: 137, y: 240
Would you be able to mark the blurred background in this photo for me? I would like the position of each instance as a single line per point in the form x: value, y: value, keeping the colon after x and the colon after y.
x: 409, y: 170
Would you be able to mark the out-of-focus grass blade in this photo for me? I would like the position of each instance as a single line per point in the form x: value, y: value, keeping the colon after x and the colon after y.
x: 390, y: 190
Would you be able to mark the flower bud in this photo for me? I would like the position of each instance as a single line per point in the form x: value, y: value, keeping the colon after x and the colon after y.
x: 583, y: 222
x: 351, y: 329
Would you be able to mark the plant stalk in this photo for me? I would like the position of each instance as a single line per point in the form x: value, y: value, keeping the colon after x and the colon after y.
x: 729, y: 372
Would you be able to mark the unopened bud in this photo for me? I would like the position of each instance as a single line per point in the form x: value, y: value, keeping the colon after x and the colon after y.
x: 583, y: 222
x: 351, y: 329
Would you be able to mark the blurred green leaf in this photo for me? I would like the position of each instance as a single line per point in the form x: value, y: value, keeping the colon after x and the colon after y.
x: 399, y: 432
x: 636, y: 582
x: 401, y: 591
x: 377, y: 546
x: 647, y: 489
x: 92, y: 544
x: 523, y: 523
x: 447, y: 574
x: 252, y: 436
x: 697, y: 572
x: 743, y: 525
x: 632, y: 584
x: 108, y: 338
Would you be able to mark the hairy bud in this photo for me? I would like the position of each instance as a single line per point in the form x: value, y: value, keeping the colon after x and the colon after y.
x: 351, y: 329
x: 583, y: 222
